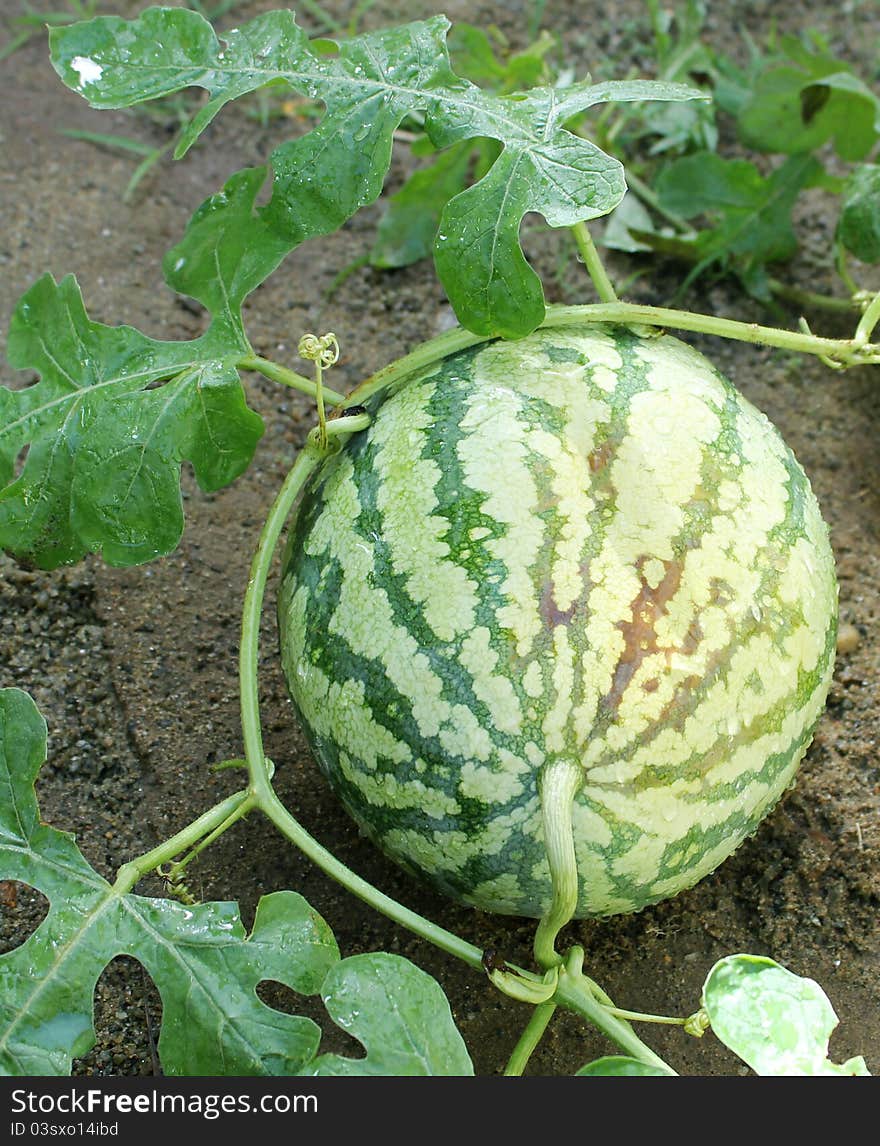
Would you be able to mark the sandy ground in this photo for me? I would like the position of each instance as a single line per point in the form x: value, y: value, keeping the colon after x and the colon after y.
x: 135, y: 671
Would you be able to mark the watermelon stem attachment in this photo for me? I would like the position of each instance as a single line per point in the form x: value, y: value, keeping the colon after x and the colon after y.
x: 559, y: 783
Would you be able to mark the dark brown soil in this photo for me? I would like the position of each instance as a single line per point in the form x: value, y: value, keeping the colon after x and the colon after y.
x: 135, y: 671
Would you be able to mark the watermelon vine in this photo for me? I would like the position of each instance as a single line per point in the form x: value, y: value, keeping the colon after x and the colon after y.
x: 558, y: 606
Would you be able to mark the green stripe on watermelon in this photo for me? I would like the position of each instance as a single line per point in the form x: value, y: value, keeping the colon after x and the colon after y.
x: 582, y: 545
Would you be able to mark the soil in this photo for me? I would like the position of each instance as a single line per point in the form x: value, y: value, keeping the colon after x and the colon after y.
x: 135, y: 670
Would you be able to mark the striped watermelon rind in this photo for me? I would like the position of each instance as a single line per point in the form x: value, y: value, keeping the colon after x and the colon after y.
x: 587, y: 545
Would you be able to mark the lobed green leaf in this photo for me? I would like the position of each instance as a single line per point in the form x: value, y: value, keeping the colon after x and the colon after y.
x: 411, y: 220
x: 751, y: 214
x: 369, y: 86
x: 806, y: 100
x: 400, y: 1015
x: 228, y: 250
x: 104, y: 447
x: 776, y: 1021
x: 115, y: 413
x: 205, y: 965
x: 859, y: 225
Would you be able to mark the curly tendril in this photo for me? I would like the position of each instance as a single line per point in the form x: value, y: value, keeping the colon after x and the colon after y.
x: 323, y: 349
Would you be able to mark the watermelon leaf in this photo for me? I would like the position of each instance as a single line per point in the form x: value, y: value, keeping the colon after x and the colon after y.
x: 859, y: 225
x: 618, y: 1066
x: 115, y: 413
x: 205, y: 965
x: 400, y: 1015
x: 407, y: 229
x: 368, y: 86
x: 807, y: 98
x: 751, y: 213
x: 776, y: 1021
x: 227, y: 251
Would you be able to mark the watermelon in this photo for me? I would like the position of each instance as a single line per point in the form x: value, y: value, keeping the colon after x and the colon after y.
x: 582, y: 546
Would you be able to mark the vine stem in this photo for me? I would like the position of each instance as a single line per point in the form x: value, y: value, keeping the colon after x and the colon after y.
x: 840, y: 262
x: 574, y: 992
x: 452, y: 944
x: 529, y: 1039
x: 221, y: 815
x: 639, y: 1017
x: 847, y: 351
x: 287, y: 377
x: 259, y: 769
x: 581, y: 1002
x: 261, y: 788
x: 811, y: 298
x: 593, y: 262
x: 234, y: 817
x: 868, y: 321
x: 425, y: 354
